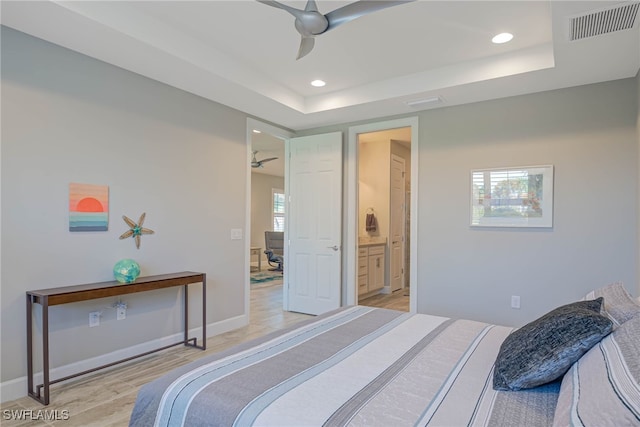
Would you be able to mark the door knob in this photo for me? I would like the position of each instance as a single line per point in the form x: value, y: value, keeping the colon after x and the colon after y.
x: 334, y: 247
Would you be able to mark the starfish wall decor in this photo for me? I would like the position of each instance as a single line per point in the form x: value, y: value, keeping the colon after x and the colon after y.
x: 136, y: 229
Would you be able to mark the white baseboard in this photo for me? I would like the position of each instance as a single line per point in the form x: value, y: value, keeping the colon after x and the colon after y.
x: 13, y: 389
x: 17, y: 388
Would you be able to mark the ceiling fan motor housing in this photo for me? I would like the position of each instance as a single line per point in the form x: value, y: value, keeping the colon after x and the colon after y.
x: 311, y: 24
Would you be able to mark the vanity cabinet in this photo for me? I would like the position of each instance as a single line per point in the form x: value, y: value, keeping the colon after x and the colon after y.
x: 370, y: 268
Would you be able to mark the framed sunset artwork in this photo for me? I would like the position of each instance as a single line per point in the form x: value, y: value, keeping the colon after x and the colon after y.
x: 88, y: 207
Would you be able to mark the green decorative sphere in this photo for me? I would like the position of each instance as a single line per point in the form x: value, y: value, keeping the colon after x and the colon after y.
x: 126, y: 270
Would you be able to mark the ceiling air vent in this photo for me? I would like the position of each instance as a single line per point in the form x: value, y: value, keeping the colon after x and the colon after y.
x: 419, y: 103
x: 621, y: 17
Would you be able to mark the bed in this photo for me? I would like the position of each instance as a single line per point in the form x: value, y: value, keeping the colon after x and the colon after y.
x: 370, y: 366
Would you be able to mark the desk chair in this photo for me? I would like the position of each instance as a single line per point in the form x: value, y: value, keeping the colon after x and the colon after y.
x: 274, y: 248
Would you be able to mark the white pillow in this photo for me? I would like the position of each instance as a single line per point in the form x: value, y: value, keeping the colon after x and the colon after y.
x: 618, y: 304
x: 602, y: 388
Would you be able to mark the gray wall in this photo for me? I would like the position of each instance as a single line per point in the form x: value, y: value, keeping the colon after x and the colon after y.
x: 590, y: 135
x: 177, y: 157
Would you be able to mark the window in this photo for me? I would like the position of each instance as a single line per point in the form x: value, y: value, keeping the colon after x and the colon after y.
x: 277, y: 207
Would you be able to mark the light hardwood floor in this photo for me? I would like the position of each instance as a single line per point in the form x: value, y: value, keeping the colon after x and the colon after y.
x: 106, y: 398
x: 398, y: 300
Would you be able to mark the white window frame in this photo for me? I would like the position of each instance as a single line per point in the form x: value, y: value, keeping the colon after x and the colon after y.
x: 275, y: 214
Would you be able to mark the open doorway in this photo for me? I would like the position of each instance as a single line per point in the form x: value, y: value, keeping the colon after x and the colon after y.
x: 354, y: 224
x: 267, y: 206
x: 384, y: 162
x: 313, y: 221
x: 266, y: 214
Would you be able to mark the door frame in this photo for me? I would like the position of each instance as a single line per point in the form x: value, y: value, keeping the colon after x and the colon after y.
x: 281, y: 134
x: 350, y: 275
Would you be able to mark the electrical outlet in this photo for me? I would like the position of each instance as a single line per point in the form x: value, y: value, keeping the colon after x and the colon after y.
x: 94, y: 319
x: 121, y: 313
x: 236, y: 234
x: 515, y: 301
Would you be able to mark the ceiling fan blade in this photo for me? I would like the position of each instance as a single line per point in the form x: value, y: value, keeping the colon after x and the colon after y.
x: 292, y: 10
x: 311, y: 6
x: 357, y: 9
x: 267, y: 160
x: 306, y: 45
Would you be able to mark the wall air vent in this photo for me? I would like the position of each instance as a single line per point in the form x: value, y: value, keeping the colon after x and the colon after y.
x: 618, y: 18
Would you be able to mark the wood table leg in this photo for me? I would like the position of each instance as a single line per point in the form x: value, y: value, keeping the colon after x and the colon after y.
x: 30, y: 345
x: 45, y: 349
x: 204, y: 312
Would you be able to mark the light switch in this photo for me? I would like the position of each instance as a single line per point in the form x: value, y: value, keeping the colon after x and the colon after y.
x: 515, y: 301
x: 236, y: 234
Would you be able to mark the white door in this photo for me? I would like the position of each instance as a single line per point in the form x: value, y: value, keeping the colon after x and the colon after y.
x: 314, y: 230
x: 397, y: 221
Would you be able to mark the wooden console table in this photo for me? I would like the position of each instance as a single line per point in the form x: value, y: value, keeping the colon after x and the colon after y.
x: 70, y: 294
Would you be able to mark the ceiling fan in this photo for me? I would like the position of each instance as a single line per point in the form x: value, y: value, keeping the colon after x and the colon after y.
x: 311, y: 23
x: 258, y: 163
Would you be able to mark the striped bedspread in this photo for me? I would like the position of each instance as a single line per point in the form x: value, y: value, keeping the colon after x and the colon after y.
x: 356, y: 366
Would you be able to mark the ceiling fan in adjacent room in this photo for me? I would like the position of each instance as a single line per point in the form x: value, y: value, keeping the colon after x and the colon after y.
x: 311, y: 23
x: 258, y: 163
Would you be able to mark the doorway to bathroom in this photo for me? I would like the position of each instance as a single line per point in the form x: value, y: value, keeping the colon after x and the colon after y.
x: 383, y: 216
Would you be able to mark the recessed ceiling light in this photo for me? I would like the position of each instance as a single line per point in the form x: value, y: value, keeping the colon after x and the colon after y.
x: 502, y: 38
x: 318, y: 83
x: 256, y: 131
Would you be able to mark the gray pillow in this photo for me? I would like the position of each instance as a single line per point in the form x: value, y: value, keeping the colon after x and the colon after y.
x: 545, y: 349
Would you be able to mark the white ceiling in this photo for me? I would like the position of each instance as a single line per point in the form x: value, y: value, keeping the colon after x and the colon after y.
x: 242, y: 53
